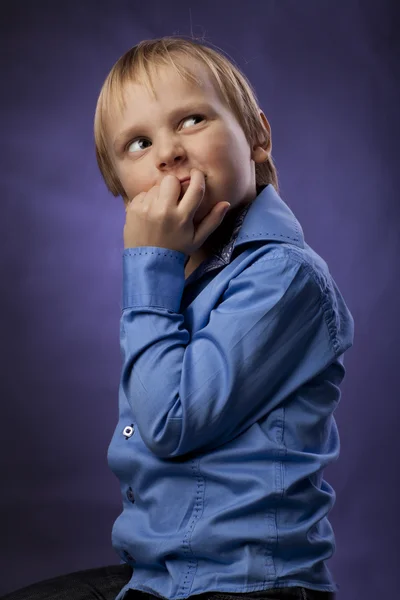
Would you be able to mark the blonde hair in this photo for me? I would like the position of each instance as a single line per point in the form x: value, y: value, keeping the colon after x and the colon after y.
x: 138, y: 65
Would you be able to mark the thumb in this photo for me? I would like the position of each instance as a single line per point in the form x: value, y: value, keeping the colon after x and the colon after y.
x: 210, y: 222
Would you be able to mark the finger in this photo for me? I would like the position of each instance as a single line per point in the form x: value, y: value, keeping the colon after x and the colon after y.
x: 169, y: 189
x: 194, y: 193
x: 135, y: 200
x: 210, y: 223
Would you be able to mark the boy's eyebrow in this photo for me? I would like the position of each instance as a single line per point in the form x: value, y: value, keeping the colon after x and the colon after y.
x: 188, y: 108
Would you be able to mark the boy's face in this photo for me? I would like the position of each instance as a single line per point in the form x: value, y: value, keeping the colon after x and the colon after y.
x: 185, y: 127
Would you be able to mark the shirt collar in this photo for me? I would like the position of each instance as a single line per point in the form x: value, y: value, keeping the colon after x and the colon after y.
x: 266, y: 218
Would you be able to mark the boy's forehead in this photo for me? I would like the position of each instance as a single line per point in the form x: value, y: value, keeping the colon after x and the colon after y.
x: 165, y: 80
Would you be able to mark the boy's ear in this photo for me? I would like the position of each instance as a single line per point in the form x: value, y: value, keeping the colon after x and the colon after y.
x: 262, y: 152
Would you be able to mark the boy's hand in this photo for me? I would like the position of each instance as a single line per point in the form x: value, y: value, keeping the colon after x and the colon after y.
x: 158, y: 218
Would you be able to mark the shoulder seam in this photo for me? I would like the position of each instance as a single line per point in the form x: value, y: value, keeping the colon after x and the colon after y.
x: 328, y: 304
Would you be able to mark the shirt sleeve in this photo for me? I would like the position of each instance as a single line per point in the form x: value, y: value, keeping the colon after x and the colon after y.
x: 274, y: 328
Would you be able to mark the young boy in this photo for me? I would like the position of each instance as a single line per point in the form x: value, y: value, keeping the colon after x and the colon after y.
x: 232, y: 335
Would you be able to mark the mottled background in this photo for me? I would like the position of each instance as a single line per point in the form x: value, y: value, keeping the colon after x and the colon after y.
x: 327, y: 77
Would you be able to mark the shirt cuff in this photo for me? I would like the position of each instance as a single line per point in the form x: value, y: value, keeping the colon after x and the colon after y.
x: 153, y: 276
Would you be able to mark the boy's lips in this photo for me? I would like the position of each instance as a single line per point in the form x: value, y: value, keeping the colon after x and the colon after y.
x: 184, y: 185
x: 188, y: 178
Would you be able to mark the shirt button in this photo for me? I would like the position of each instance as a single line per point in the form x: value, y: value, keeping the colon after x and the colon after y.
x: 128, y: 431
x: 130, y: 495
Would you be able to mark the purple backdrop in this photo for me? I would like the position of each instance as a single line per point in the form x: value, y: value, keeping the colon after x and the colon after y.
x: 327, y: 78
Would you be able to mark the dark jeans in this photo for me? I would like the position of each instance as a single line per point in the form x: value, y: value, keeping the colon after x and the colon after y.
x: 105, y: 583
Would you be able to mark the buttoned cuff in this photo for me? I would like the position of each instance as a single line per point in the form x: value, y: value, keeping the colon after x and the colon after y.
x: 153, y: 276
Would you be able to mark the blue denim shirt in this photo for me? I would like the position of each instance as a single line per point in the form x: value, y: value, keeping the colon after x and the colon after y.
x: 228, y: 388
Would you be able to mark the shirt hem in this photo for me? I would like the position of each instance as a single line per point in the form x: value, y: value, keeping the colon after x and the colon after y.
x: 276, y: 585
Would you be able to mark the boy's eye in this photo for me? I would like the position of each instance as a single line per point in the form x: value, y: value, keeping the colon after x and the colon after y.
x: 193, y: 117
x: 135, y: 142
x: 138, y: 140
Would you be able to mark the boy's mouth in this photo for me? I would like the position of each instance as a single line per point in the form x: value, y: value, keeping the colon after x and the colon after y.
x: 184, y: 186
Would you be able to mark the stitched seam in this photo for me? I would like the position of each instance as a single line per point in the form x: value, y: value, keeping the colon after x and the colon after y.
x: 262, y: 233
x: 132, y: 252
